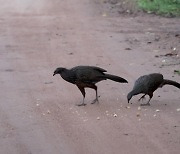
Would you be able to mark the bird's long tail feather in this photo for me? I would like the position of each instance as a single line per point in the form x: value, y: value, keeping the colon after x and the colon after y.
x: 170, y: 82
x: 115, y: 78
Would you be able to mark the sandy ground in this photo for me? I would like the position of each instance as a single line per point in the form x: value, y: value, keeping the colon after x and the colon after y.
x: 38, y: 114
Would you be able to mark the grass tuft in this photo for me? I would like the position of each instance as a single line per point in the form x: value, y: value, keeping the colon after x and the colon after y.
x: 161, y: 7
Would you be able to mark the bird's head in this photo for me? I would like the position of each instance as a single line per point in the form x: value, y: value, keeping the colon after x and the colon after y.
x: 59, y: 70
x: 129, y: 96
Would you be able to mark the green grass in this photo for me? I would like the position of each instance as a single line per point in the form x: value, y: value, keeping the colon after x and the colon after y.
x: 177, y: 72
x: 161, y: 7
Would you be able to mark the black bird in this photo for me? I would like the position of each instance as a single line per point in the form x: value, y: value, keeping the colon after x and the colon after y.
x: 86, y: 77
x: 147, y: 84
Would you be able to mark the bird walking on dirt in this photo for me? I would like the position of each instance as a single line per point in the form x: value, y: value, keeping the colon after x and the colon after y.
x: 86, y: 77
x: 147, y: 84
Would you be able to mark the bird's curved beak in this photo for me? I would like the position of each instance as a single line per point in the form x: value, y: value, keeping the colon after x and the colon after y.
x: 54, y: 74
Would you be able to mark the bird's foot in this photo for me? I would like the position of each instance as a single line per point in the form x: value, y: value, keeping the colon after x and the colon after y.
x: 147, y: 104
x: 82, y: 104
x: 96, y: 100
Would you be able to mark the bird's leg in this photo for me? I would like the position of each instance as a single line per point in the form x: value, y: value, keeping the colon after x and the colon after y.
x: 142, y: 97
x: 82, y: 104
x: 148, y: 104
x: 83, y: 93
x: 96, y: 99
x: 150, y: 96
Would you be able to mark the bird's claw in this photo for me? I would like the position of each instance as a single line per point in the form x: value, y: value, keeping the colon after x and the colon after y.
x: 83, y: 104
x: 94, y: 101
x: 147, y: 104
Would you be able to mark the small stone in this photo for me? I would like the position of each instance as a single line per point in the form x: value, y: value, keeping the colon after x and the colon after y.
x: 178, y: 109
x: 156, y: 51
x: 49, y: 82
x: 104, y: 14
x: 131, y: 64
x: 154, y: 115
x: 48, y: 112
x: 157, y: 110
x: 138, y: 114
x: 115, y: 115
x: 139, y: 108
x: 128, y: 49
x: 98, y: 118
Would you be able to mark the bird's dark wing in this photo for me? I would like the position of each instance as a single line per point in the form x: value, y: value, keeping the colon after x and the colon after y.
x: 88, y: 74
x: 89, y: 68
x: 148, y: 83
x: 139, y: 85
x: 98, y: 69
x: 154, y: 81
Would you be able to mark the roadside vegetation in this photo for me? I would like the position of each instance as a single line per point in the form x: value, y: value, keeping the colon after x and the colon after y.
x: 161, y: 7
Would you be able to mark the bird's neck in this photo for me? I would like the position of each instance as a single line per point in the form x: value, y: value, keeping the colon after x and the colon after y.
x: 134, y: 92
x: 66, y: 75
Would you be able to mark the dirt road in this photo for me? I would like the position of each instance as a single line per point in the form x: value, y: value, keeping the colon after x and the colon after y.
x: 38, y: 114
